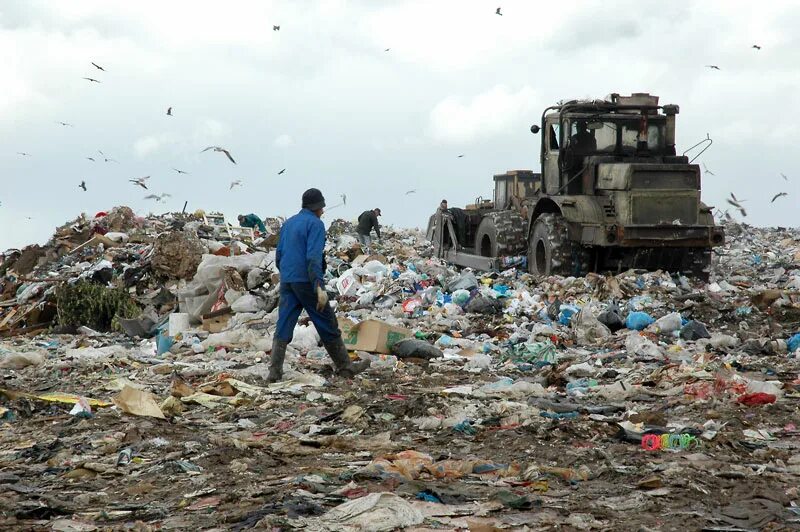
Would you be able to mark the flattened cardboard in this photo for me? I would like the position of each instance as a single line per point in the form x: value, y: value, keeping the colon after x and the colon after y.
x: 371, y: 335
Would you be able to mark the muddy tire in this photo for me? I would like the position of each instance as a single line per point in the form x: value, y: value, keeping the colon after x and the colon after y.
x: 550, y: 252
x: 500, y: 234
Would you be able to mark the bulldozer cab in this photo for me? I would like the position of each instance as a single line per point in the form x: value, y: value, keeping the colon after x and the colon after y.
x: 620, y: 128
x: 513, y: 187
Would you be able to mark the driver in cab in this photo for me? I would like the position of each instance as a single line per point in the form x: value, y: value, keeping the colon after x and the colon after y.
x: 583, y: 141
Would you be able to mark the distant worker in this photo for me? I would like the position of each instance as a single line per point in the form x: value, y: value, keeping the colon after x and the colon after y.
x: 583, y: 140
x: 443, y: 205
x: 366, y: 223
x: 301, y: 261
x: 251, y: 220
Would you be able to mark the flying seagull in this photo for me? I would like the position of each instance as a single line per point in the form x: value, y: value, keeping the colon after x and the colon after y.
x: 387, y: 49
x: 169, y: 111
x: 282, y: 171
x: 236, y: 183
x: 778, y: 195
x: 98, y: 67
x: 180, y: 171
x: 83, y: 185
x: 221, y: 150
x: 276, y: 28
x: 24, y: 154
x: 757, y: 47
x: 460, y: 156
x: 92, y: 79
x: 411, y: 192
x: 91, y: 159
x: 713, y: 67
x: 498, y: 12
x: 157, y: 197
x: 106, y: 158
x: 706, y: 170
x: 65, y: 124
x: 784, y: 177
x: 140, y: 181
x: 733, y: 200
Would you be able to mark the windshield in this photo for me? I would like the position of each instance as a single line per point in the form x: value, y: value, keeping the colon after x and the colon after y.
x: 602, y: 135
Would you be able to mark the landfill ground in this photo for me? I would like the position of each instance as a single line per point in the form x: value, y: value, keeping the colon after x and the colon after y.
x: 510, y: 405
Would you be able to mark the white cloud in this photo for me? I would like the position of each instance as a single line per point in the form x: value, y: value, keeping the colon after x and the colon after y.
x: 454, y: 121
x: 283, y: 141
x: 152, y: 143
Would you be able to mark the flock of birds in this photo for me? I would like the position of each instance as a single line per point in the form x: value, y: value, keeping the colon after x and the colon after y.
x: 142, y: 181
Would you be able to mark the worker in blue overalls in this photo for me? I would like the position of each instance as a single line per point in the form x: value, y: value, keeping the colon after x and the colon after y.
x: 300, y: 259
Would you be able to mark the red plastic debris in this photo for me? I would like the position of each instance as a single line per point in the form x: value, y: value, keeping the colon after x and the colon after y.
x: 754, y: 399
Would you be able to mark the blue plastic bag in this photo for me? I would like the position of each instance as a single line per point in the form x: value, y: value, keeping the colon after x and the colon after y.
x: 566, y: 313
x: 793, y: 343
x: 636, y: 321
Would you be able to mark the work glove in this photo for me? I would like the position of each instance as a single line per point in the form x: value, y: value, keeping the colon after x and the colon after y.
x: 322, y: 298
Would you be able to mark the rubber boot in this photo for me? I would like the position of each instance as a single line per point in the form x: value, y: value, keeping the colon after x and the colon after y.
x: 341, y: 360
x: 276, y: 360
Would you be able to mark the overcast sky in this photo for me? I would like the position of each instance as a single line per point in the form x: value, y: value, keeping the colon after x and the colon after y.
x: 323, y: 99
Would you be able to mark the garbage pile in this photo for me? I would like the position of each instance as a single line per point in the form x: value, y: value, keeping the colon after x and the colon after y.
x: 134, y: 356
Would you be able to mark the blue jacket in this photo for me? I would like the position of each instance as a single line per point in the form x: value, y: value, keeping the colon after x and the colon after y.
x: 299, y: 256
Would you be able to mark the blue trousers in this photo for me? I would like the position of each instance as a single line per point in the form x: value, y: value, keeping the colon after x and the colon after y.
x: 295, y: 297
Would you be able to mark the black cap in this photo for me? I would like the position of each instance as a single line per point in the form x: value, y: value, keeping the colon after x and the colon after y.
x: 313, y: 199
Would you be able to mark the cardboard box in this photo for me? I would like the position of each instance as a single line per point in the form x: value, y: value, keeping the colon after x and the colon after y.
x: 216, y: 324
x: 372, y: 336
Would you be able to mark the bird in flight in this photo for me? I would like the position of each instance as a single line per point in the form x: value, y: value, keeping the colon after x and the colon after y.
x: 169, y: 111
x: 387, y: 49
x: 24, y: 154
x: 411, y: 192
x: 784, y: 177
x: 157, y: 197
x: 713, y: 67
x: 778, y: 195
x: 65, y: 124
x: 106, y: 158
x: 460, y: 156
x: 498, y: 12
x: 140, y: 181
x: 282, y: 171
x: 706, y: 170
x: 733, y: 200
x: 236, y: 183
x: 180, y: 171
x: 98, y: 67
x: 276, y: 28
x: 92, y: 79
x: 91, y: 158
x: 757, y: 47
x: 221, y: 150
x: 83, y: 185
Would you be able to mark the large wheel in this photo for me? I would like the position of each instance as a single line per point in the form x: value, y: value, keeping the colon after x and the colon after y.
x: 500, y: 234
x: 550, y: 252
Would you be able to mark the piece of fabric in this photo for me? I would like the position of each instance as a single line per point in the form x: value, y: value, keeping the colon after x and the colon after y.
x: 299, y: 256
x: 252, y: 220
x: 367, y: 222
x: 296, y: 297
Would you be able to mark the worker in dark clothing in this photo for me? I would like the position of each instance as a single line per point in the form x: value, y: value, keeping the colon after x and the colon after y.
x: 443, y: 205
x: 583, y: 140
x: 251, y: 220
x: 300, y: 259
x: 366, y: 223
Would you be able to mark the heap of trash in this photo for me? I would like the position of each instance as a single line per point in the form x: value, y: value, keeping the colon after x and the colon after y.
x: 134, y: 353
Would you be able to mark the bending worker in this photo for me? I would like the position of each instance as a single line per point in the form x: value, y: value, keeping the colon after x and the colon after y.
x: 300, y: 259
x: 366, y: 223
x: 251, y: 220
